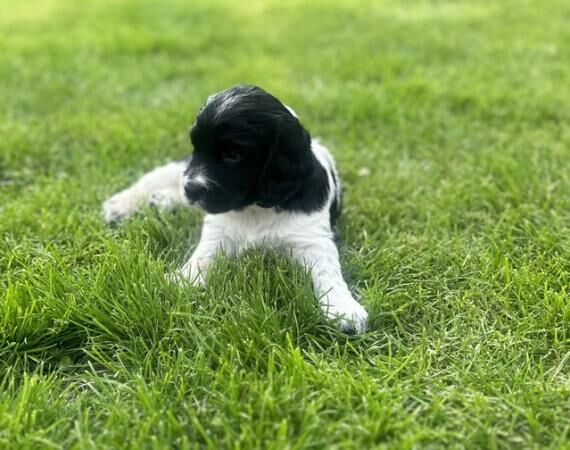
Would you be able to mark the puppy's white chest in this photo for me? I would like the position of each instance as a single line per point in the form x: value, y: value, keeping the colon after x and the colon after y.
x: 254, y: 227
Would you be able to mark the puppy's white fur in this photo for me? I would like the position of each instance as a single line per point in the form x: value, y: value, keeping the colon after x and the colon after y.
x: 307, y: 237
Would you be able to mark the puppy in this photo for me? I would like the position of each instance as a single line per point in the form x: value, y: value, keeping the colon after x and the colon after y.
x: 261, y: 181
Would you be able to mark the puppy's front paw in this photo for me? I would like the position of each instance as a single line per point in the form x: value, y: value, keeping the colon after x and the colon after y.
x: 191, y: 273
x: 353, y: 317
x: 120, y: 206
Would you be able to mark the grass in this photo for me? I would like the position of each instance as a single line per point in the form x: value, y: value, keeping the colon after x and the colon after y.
x: 457, y: 240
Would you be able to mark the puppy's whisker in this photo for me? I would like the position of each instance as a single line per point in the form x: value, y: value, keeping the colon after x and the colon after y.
x: 203, y: 181
x: 209, y: 185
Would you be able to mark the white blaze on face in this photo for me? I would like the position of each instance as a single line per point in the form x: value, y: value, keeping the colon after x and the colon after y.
x: 197, y: 179
x: 200, y: 179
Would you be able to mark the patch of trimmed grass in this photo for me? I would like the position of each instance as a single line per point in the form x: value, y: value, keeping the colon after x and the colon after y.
x: 457, y: 240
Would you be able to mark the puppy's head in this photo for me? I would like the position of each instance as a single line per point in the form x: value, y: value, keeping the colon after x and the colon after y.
x: 248, y: 149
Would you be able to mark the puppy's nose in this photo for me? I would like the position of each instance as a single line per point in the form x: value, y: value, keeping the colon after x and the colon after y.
x: 193, y: 190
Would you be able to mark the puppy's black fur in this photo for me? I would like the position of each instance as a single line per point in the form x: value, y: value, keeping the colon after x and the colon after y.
x: 253, y: 151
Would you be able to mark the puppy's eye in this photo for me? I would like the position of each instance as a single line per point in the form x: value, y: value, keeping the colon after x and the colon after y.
x: 231, y: 157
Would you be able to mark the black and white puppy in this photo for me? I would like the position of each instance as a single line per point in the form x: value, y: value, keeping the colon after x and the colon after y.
x: 262, y: 181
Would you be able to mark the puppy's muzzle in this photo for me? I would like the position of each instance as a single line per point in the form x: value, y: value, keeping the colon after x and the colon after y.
x: 194, y: 190
x: 195, y: 184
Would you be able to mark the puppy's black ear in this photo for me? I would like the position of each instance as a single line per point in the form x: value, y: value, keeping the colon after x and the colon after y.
x: 292, y: 178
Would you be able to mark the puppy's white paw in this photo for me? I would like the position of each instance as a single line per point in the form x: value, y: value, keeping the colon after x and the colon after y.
x: 122, y: 205
x: 353, y: 317
x: 190, y: 273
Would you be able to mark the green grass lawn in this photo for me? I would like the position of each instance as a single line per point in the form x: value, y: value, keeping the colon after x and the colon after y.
x: 450, y: 122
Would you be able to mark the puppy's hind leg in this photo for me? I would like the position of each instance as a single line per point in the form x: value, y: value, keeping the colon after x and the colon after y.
x: 161, y: 187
